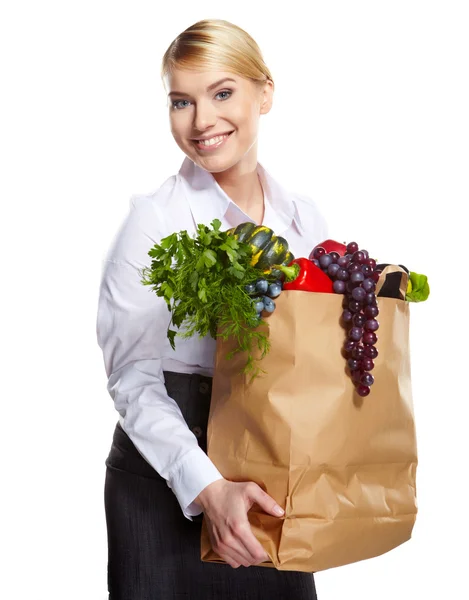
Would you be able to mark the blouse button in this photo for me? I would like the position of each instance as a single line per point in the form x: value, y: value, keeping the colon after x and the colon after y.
x: 197, y: 431
x: 203, y: 387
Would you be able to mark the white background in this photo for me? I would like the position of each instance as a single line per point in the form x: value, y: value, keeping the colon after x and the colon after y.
x: 370, y: 118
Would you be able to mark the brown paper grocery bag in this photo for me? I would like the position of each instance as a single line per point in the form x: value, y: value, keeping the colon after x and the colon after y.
x: 343, y: 467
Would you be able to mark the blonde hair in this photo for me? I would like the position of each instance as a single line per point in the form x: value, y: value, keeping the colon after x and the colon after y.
x: 216, y: 44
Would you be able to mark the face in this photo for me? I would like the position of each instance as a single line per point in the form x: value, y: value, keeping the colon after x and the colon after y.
x: 199, y: 108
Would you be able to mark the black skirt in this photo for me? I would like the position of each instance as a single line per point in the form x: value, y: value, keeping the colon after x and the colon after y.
x: 153, y: 549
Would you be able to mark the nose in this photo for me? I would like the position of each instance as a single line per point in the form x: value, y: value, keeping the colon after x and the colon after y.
x: 205, y: 116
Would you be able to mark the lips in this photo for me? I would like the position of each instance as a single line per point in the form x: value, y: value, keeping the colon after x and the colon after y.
x: 208, y: 149
x: 212, y: 136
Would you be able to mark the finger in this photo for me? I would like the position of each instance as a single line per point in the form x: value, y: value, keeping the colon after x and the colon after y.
x: 252, y: 546
x: 239, y: 552
x: 229, y: 549
x: 266, y: 502
x: 232, y: 545
x: 229, y: 554
x: 231, y: 562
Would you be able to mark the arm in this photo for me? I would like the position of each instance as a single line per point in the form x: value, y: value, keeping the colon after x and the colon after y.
x: 131, y: 330
x: 131, y: 327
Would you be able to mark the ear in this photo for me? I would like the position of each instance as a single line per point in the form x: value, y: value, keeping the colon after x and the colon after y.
x: 267, y: 97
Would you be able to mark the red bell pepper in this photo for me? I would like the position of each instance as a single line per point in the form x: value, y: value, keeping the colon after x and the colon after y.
x: 310, y: 278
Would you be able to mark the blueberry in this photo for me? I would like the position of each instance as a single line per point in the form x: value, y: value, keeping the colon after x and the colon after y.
x: 262, y: 285
x: 274, y: 290
x: 269, y: 304
x: 258, y: 305
x: 250, y: 288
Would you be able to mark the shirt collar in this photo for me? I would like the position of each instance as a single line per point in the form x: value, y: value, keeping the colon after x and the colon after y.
x: 207, y: 200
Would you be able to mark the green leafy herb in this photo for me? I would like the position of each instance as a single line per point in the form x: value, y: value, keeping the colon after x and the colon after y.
x: 418, y: 288
x: 202, y: 280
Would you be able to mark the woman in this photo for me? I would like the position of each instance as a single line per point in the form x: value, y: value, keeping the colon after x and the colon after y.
x: 159, y: 479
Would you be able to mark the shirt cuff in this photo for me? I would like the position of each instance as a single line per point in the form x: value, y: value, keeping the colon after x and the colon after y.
x: 192, y: 475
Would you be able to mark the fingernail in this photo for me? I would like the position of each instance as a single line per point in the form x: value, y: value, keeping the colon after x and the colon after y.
x: 278, y: 510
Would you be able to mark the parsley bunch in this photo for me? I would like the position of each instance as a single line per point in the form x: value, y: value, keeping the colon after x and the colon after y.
x: 202, y: 280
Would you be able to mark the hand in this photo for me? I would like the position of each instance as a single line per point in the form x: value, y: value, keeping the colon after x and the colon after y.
x: 225, y: 505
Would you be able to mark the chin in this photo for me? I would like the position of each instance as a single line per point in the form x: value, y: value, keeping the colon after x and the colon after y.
x: 218, y: 168
x: 215, y: 164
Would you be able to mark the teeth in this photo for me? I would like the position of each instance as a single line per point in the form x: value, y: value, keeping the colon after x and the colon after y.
x: 213, y: 140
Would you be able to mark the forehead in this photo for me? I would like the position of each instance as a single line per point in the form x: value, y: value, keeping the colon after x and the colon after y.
x: 194, y: 82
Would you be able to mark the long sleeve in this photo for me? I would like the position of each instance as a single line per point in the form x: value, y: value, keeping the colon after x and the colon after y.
x: 131, y: 329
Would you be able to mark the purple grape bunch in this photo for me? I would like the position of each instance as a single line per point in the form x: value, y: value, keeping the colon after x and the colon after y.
x: 355, y: 276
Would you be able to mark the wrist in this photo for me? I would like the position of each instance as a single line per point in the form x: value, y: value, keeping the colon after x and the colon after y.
x: 204, y: 497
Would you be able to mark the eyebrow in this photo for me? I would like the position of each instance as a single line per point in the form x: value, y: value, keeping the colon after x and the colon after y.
x: 210, y: 87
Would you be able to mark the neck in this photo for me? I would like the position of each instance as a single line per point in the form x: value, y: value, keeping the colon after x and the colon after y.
x: 242, y: 184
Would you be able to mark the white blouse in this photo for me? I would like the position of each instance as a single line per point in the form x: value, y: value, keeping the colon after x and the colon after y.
x: 132, y: 321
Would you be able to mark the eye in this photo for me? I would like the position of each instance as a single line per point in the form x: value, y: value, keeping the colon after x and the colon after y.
x: 176, y: 106
x: 225, y: 92
x: 176, y: 102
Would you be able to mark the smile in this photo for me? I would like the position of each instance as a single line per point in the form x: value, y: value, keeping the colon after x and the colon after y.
x: 212, y: 143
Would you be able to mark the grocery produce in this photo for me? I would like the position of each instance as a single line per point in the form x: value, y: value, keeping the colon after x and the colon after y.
x: 354, y: 274
x: 273, y: 253
x: 223, y: 283
x: 203, y: 281
x: 261, y: 285
x: 269, y: 304
x: 418, y: 288
x: 274, y: 290
x: 263, y: 292
x: 258, y: 304
x: 331, y: 246
x: 242, y: 232
x: 259, y: 238
x: 267, y: 248
x: 310, y: 278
